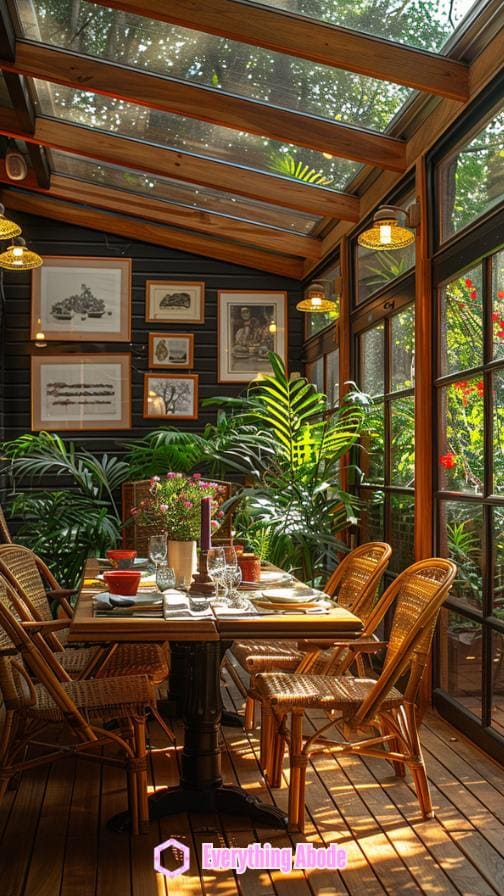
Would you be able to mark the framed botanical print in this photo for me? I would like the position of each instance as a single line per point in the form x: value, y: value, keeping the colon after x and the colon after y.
x: 82, y: 299
x: 171, y: 349
x: 251, y: 324
x: 174, y: 301
x: 77, y: 392
x: 171, y: 395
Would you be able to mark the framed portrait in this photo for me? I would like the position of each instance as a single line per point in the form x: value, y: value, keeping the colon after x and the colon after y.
x: 174, y: 301
x: 76, y: 392
x: 171, y: 349
x: 251, y: 324
x: 171, y: 395
x: 82, y: 299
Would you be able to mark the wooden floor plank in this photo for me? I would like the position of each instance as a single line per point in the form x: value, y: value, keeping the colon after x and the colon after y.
x: 45, y: 878
x: 80, y: 870
x: 18, y: 840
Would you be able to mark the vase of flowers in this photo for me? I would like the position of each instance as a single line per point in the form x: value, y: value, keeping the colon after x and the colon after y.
x: 173, y: 506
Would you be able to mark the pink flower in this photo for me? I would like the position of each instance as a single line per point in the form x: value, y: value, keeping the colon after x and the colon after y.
x: 196, y: 475
x: 133, y: 511
x: 220, y: 514
x: 171, y: 475
x: 163, y: 508
x: 188, y: 504
x: 154, y: 479
x: 214, y: 524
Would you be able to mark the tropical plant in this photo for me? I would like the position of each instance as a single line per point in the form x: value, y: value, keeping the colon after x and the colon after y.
x: 65, y: 526
x: 286, y: 164
x: 290, y: 450
x: 174, y: 505
x: 162, y: 450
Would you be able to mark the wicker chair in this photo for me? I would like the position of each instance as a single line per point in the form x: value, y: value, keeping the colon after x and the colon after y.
x: 5, y: 535
x: 380, y: 717
x: 26, y: 574
x: 34, y: 698
x: 354, y: 582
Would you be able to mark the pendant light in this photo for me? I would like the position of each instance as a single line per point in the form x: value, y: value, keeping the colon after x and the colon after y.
x: 386, y: 231
x: 8, y: 229
x: 316, y: 301
x: 18, y: 258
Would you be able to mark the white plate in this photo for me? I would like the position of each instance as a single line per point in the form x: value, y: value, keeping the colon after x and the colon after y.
x: 291, y: 595
x: 270, y: 577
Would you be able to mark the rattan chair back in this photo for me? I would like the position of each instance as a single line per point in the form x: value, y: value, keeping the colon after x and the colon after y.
x: 5, y: 535
x: 419, y: 593
x: 14, y: 689
x: 355, y: 580
x: 27, y: 573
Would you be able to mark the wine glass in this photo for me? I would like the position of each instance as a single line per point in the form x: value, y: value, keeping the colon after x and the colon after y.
x: 233, y: 578
x: 216, y: 564
x: 158, y: 549
x: 165, y: 576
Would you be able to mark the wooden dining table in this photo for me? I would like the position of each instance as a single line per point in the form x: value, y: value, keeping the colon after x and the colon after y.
x: 205, y: 641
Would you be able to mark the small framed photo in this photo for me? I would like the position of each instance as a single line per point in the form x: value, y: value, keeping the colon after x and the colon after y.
x: 171, y: 349
x: 251, y: 324
x: 171, y: 395
x: 91, y: 392
x: 174, y: 301
x: 82, y: 299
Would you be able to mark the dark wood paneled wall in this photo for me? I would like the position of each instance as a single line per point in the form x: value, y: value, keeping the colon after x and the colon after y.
x: 148, y: 262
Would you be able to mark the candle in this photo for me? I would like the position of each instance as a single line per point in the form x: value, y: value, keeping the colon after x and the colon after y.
x: 206, y: 513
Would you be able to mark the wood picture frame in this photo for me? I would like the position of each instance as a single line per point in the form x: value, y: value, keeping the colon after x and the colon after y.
x: 171, y: 396
x: 250, y: 324
x: 175, y: 301
x: 171, y: 350
x: 84, y: 299
x: 62, y: 386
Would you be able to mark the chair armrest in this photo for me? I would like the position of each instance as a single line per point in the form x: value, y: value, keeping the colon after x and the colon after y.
x: 61, y: 593
x: 366, y: 646
x: 9, y: 651
x: 50, y: 625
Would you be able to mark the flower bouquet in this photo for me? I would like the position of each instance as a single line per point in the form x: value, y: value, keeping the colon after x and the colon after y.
x: 174, y: 505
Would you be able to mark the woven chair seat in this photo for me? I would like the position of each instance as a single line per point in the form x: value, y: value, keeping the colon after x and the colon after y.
x: 320, y: 691
x: 105, y: 699
x: 259, y: 656
x: 127, y: 659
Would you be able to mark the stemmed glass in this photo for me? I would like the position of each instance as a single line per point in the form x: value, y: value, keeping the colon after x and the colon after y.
x: 216, y: 564
x: 233, y: 578
x: 158, y: 549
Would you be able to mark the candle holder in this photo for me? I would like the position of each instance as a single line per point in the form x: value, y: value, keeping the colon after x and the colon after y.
x: 202, y: 583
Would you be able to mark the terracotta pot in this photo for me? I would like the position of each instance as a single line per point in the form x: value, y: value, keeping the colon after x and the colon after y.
x: 250, y: 566
x: 183, y: 559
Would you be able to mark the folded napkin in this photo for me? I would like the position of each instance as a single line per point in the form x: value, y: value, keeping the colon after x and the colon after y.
x: 125, y: 604
x: 223, y: 610
x: 176, y: 604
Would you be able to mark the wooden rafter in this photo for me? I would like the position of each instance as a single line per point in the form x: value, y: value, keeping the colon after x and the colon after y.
x: 126, y: 152
x: 151, y: 209
x: 205, y: 103
x: 157, y: 234
x: 320, y: 42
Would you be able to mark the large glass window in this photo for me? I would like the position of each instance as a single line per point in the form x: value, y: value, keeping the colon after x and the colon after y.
x: 387, y: 453
x: 331, y: 281
x: 471, y: 177
x: 470, y: 483
x: 376, y: 270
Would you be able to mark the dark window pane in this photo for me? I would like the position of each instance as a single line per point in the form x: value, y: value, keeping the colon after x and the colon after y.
x: 461, y: 452
x: 498, y: 304
x: 471, y: 179
x: 315, y: 373
x: 331, y: 280
x: 461, y: 648
x: 461, y: 532
x: 462, y: 323
x: 332, y: 378
x: 498, y: 572
x: 402, y: 517
x: 403, y: 350
x: 372, y: 363
x: 498, y: 433
x: 5, y: 100
x: 372, y: 516
x: 372, y: 457
x: 498, y: 682
x: 402, y: 441
x: 376, y: 269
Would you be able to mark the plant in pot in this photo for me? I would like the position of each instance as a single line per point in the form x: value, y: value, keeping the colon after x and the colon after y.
x: 173, y: 506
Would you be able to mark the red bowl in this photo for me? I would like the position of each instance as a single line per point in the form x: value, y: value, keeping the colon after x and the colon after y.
x: 122, y: 581
x: 121, y: 559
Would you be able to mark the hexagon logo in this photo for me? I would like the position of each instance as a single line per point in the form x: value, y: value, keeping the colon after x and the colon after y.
x: 181, y: 854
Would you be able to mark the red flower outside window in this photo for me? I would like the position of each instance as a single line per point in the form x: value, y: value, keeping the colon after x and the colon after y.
x: 448, y: 460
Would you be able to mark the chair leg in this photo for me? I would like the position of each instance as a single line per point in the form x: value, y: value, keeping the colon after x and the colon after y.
x: 274, y: 769
x: 141, y: 773
x: 249, y: 720
x: 297, y: 761
x: 228, y: 666
x: 395, y: 745
x: 417, y: 764
x: 267, y: 737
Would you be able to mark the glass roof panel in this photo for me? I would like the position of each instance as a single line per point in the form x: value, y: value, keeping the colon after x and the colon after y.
x: 180, y: 193
x: 203, y: 59
x: 192, y: 136
x: 425, y: 24
x: 5, y: 100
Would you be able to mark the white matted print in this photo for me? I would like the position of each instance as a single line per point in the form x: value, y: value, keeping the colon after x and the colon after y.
x: 169, y: 395
x: 174, y: 301
x: 86, y: 299
x: 250, y: 325
x: 74, y: 393
x: 171, y: 349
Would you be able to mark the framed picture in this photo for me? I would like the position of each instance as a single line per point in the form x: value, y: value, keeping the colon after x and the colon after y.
x: 250, y: 325
x: 82, y: 299
x: 171, y: 395
x: 171, y: 349
x: 174, y: 301
x: 81, y: 392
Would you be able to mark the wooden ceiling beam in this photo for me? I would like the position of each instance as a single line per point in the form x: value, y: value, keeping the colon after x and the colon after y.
x: 16, y: 199
x: 129, y: 153
x: 320, y: 42
x: 205, y: 103
x: 150, y: 209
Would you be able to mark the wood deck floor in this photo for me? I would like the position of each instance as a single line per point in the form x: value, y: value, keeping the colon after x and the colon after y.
x: 53, y: 841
